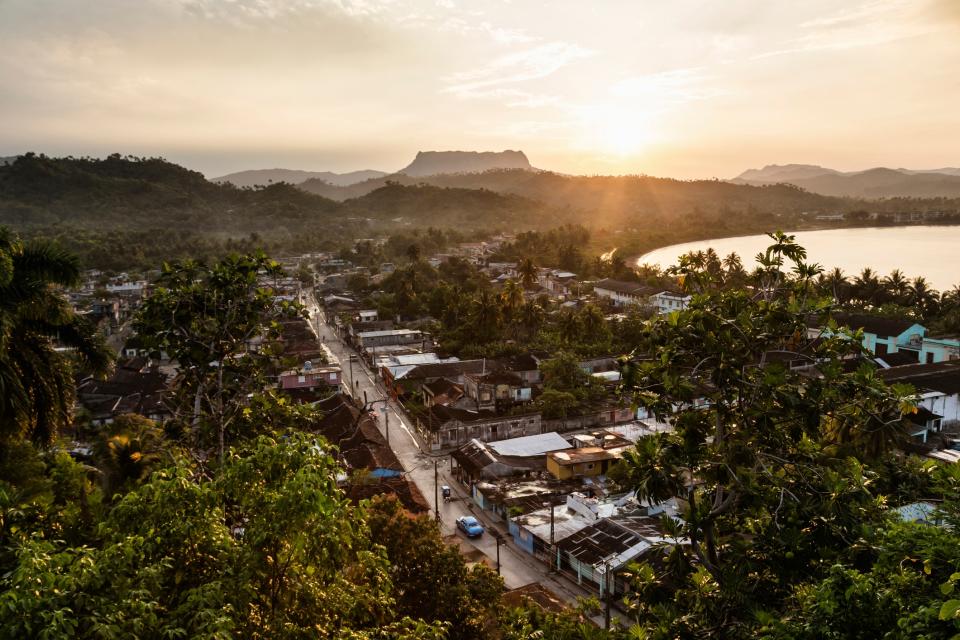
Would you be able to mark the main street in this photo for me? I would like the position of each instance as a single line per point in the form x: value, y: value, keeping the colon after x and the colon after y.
x: 429, y: 471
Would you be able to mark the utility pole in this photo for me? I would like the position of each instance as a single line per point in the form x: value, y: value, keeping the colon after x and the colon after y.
x: 553, y: 551
x: 499, y: 541
x: 436, y: 489
x: 606, y: 594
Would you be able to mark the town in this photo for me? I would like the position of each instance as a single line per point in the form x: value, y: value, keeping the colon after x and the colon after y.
x: 499, y: 407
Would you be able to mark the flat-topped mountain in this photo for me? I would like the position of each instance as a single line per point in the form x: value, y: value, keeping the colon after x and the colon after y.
x: 431, y: 163
x: 263, y: 177
x: 872, y: 183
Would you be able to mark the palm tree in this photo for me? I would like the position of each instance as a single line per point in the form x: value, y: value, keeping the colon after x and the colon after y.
x: 528, y: 273
x: 593, y: 323
x: 836, y: 284
x: 867, y: 287
x: 36, y: 378
x: 897, y: 286
x: 127, y: 452
x: 512, y: 297
x: 922, y: 297
x: 486, y: 315
x: 531, y: 318
x: 570, y: 326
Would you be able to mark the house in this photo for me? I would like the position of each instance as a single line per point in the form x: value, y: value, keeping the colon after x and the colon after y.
x: 939, y: 348
x: 538, y: 532
x: 595, y: 553
x: 583, y: 462
x: 135, y: 386
x: 442, y: 392
x: 359, y: 442
x: 478, y: 460
x: 623, y: 293
x: 388, y: 337
x: 938, y: 393
x: 495, y: 389
x: 405, y: 491
x: 449, y: 427
x: 410, y: 378
x: 526, y: 366
x: 310, y: 377
x: 669, y: 301
x: 557, y: 281
x: 367, y: 315
x: 881, y: 334
x: 630, y: 293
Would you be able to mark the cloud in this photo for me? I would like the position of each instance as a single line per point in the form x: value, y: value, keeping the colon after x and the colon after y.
x: 677, y: 85
x: 521, y: 66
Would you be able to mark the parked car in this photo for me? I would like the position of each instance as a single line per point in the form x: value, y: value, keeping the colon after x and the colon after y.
x: 470, y: 526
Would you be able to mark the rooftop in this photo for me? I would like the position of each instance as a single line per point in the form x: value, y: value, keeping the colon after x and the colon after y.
x: 530, y: 445
x: 585, y: 454
x: 943, y: 377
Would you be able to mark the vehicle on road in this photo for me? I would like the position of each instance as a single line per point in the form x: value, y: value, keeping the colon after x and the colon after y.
x: 445, y: 490
x: 470, y: 526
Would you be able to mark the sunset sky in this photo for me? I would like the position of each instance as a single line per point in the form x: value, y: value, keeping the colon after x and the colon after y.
x: 678, y: 88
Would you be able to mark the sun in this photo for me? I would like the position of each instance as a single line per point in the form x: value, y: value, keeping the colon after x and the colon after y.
x: 617, y: 131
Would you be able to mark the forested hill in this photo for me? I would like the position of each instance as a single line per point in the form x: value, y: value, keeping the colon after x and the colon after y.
x: 136, y: 193
x: 458, y: 208
x: 122, y: 211
x: 613, y: 199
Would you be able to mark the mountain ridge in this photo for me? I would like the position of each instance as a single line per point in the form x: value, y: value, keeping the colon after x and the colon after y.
x: 878, y: 182
x: 263, y: 177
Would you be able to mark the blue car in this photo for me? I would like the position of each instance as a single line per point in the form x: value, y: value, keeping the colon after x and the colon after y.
x: 470, y: 526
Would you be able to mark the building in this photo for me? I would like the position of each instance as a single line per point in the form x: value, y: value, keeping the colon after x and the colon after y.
x: 583, y: 462
x: 449, y: 427
x: 938, y: 393
x: 388, y: 337
x: 595, y: 553
x: 881, y: 334
x: 623, y: 293
x: 630, y: 293
x: 940, y: 348
x: 478, y: 461
x: 135, y: 386
x: 310, y: 377
x: 498, y: 389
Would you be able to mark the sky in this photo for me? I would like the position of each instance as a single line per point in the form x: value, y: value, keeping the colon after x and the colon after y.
x: 679, y: 88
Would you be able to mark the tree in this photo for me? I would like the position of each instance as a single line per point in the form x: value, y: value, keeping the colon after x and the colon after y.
x: 768, y: 462
x: 127, y: 451
x: 37, y: 379
x: 431, y: 580
x: 486, y: 316
x: 512, y: 298
x: 208, y: 319
x: 528, y: 273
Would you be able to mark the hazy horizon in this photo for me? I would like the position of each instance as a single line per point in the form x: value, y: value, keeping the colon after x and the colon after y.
x: 690, y: 90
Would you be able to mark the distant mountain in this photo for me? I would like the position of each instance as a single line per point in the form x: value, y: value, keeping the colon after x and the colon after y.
x: 871, y: 184
x: 431, y: 163
x: 263, y: 177
x: 773, y: 173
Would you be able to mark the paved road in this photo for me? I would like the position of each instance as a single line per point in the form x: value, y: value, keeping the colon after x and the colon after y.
x: 517, y: 567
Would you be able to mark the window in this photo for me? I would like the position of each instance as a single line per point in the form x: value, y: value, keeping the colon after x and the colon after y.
x: 589, y: 466
x: 301, y: 379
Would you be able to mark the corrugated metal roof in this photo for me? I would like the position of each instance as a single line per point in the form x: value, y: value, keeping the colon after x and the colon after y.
x: 530, y: 445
